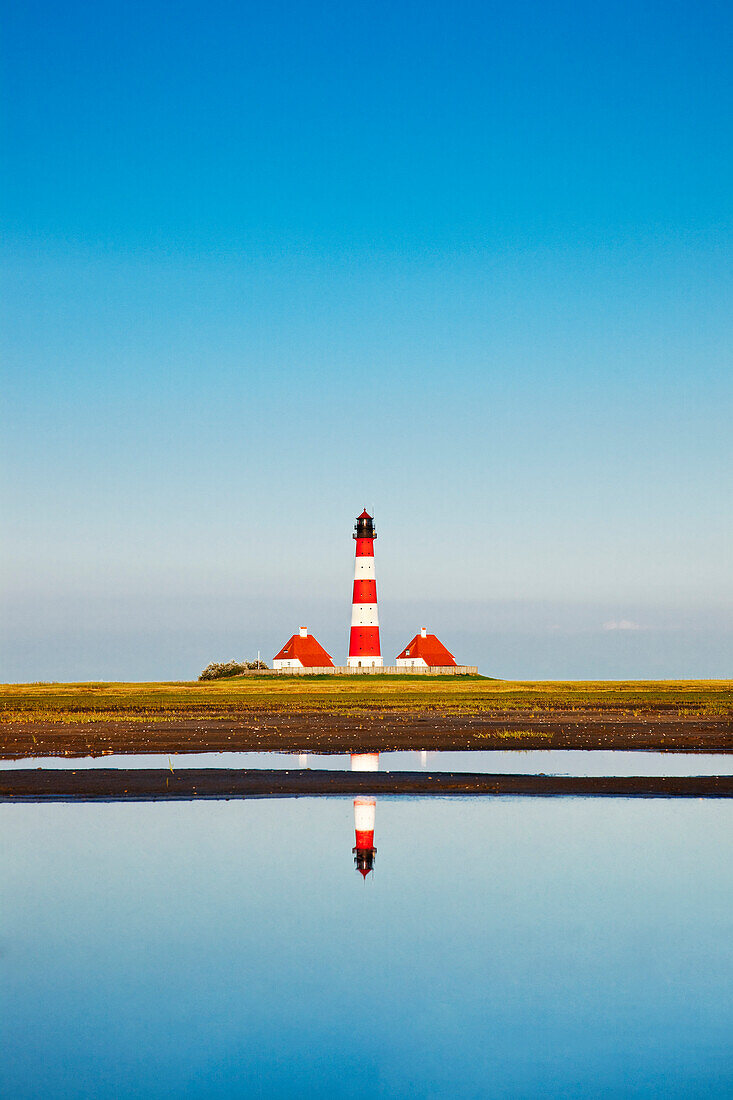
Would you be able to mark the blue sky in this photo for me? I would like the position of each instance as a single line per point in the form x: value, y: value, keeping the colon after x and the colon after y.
x: 466, y: 264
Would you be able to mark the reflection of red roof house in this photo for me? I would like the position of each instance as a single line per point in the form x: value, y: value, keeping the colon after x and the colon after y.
x: 302, y: 651
x: 425, y: 651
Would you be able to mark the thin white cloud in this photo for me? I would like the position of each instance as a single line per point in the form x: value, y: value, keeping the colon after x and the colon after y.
x: 621, y: 624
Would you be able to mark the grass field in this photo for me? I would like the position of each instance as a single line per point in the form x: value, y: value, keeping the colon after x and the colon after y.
x: 84, y: 703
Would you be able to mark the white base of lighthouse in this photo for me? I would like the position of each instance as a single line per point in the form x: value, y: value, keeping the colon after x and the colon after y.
x: 365, y: 662
x: 365, y: 761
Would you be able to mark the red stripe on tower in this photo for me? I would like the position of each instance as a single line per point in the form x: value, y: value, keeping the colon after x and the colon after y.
x: 364, y: 648
x: 365, y: 592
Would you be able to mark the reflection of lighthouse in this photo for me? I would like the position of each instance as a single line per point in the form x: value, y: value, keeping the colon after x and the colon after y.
x: 364, y: 650
x: 364, y: 814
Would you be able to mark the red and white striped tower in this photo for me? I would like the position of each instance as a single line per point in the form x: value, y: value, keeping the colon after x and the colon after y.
x: 364, y: 649
x: 365, y: 810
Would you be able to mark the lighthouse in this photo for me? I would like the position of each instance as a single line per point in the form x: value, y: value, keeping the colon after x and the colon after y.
x: 364, y: 851
x: 365, y: 810
x: 364, y: 649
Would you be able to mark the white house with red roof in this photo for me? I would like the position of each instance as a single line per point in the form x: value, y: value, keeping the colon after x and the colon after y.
x: 425, y: 651
x: 302, y: 651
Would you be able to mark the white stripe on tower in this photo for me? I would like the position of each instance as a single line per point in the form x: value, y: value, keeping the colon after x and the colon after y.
x: 364, y: 818
x: 364, y: 614
x: 364, y: 570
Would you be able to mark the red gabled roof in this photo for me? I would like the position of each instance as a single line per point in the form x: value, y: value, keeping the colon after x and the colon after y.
x: 365, y: 515
x: 308, y: 651
x: 432, y: 651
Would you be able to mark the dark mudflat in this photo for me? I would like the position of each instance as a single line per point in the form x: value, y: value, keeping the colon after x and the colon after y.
x: 316, y: 731
x: 116, y: 784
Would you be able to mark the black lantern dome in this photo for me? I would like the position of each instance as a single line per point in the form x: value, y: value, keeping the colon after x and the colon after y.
x: 364, y: 526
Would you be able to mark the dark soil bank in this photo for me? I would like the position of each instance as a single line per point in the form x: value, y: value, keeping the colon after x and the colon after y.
x: 112, y: 784
x: 321, y: 731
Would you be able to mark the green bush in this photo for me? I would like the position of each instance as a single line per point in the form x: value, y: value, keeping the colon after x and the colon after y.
x: 221, y: 670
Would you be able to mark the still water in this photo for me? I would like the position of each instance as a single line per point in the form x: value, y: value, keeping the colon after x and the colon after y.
x: 501, y: 947
x: 548, y: 761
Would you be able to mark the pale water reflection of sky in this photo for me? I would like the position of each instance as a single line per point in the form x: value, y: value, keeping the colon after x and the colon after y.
x: 549, y: 761
x: 511, y: 947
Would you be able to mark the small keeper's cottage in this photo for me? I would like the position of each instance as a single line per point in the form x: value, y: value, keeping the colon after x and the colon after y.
x: 425, y: 651
x: 302, y: 651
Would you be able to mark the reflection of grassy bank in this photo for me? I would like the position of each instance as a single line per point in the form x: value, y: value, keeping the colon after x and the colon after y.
x: 121, y: 784
x: 434, y: 697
